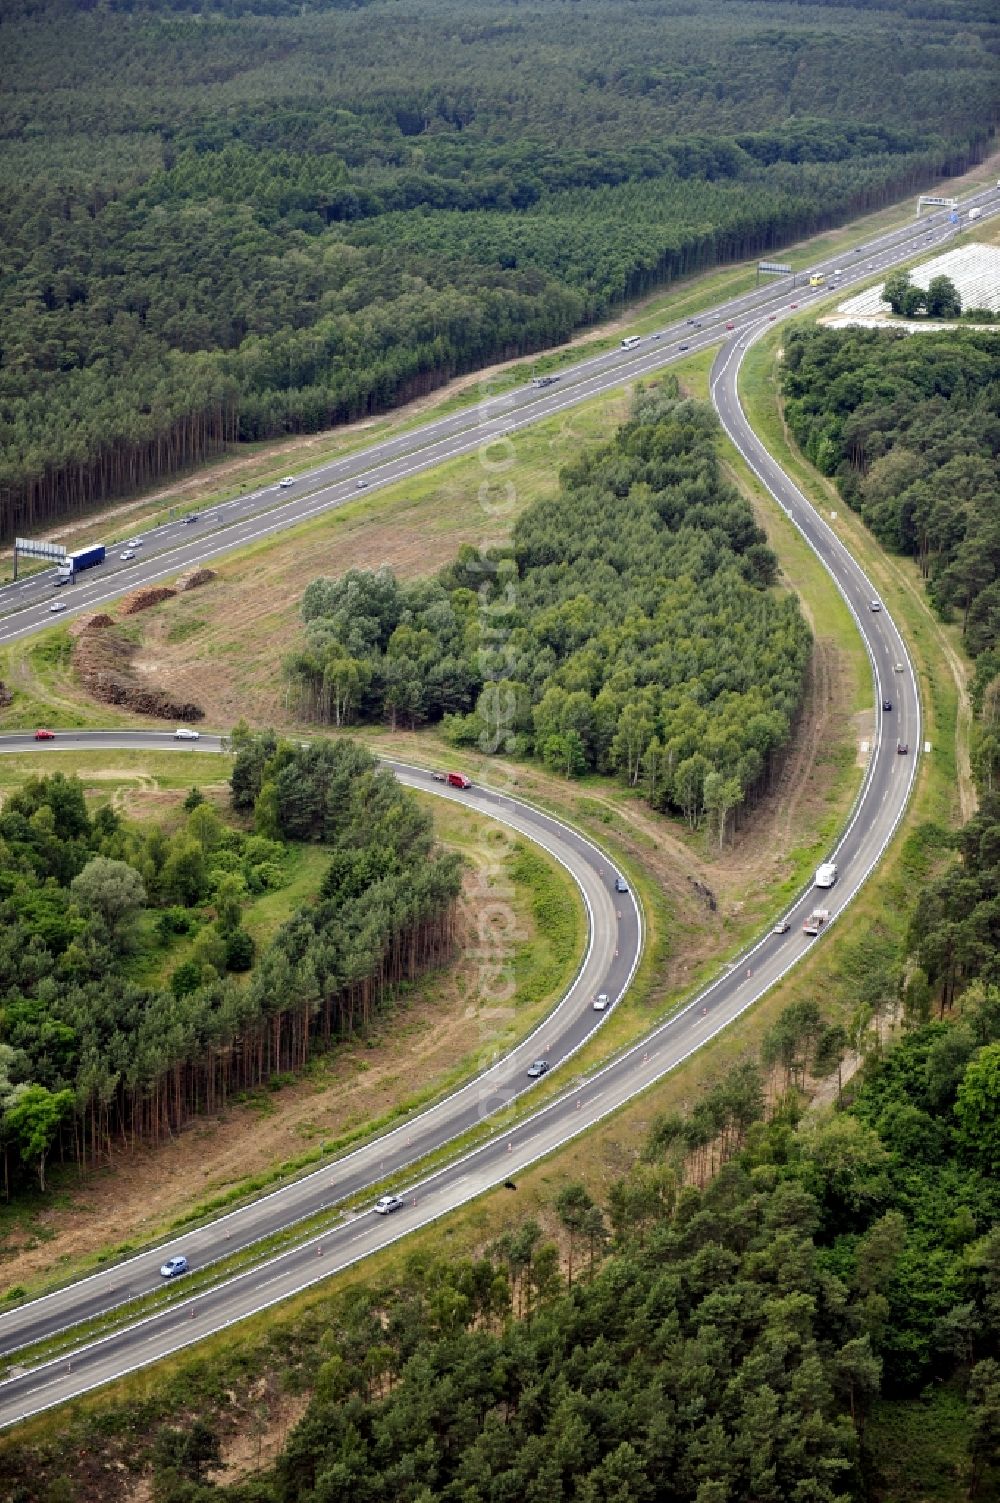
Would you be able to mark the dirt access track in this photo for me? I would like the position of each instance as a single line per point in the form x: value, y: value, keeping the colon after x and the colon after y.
x: 148, y: 1187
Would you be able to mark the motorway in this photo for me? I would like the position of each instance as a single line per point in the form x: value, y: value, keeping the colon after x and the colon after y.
x: 25, y: 606
x: 615, y: 933
x: 614, y: 944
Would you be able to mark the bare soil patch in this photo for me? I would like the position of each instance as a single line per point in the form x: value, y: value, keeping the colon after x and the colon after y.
x: 103, y: 660
x: 145, y: 599
x: 303, y: 449
x: 254, y: 1430
x: 437, y: 1022
x: 231, y: 663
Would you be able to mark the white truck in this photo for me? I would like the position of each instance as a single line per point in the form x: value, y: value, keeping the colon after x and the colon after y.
x: 815, y: 921
x: 826, y: 874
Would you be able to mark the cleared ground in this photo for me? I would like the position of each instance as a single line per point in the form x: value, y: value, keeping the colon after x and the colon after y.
x: 974, y: 269
x: 258, y: 464
x: 258, y: 1416
x: 436, y: 1031
x: 224, y: 644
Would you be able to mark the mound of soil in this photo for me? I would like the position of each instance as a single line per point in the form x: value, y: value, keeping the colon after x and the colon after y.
x: 90, y: 623
x: 6, y: 697
x: 141, y: 600
x: 193, y: 580
x: 103, y: 659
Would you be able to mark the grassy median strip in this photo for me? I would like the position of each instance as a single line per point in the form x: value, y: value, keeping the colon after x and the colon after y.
x: 546, y: 940
x: 604, y: 810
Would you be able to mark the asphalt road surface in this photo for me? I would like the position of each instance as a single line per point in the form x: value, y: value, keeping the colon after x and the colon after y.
x: 182, y: 544
x: 614, y: 944
x: 615, y: 923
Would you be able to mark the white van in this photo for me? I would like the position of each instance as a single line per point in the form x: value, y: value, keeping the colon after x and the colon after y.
x: 631, y: 342
x: 826, y: 874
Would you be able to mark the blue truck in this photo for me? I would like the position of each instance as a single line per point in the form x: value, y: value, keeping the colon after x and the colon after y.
x: 74, y: 563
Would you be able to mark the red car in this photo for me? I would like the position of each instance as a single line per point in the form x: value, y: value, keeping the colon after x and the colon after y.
x: 41, y: 735
x: 730, y: 326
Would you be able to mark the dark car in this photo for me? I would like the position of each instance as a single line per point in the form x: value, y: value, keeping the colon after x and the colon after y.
x: 684, y: 347
x: 621, y: 885
x: 887, y: 704
x: 173, y: 1266
x: 537, y: 1068
x: 192, y: 516
x: 901, y: 748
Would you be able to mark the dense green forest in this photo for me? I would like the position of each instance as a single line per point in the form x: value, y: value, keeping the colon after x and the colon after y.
x: 223, y: 222
x: 955, y: 930
x: 732, y: 1344
x: 910, y: 428
x: 715, y: 1342
x: 631, y: 627
x: 122, y: 1008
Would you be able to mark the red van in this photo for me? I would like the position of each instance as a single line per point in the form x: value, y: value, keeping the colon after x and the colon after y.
x: 459, y: 780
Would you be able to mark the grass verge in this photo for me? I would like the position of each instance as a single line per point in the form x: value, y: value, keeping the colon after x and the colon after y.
x: 545, y: 939
x: 260, y: 464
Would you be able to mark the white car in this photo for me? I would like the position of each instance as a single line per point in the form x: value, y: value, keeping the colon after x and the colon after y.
x: 601, y: 1002
x: 128, y: 554
x: 174, y: 1266
x: 183, y: 734
x: 284, y: 484
x: 57, y: 605
x: 876, y: 605
x: 387, y: 1204
x: 134, y: 543
x: 781, y: 927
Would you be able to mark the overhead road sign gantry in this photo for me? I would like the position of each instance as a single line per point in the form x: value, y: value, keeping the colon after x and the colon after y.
x: 935, y: 201
x: 37, y: 548
x: 772, y: 269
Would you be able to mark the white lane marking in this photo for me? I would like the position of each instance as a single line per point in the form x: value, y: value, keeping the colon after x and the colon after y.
x: 641, y: 365
x: 273, y: 1280
x: 899, y: 815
